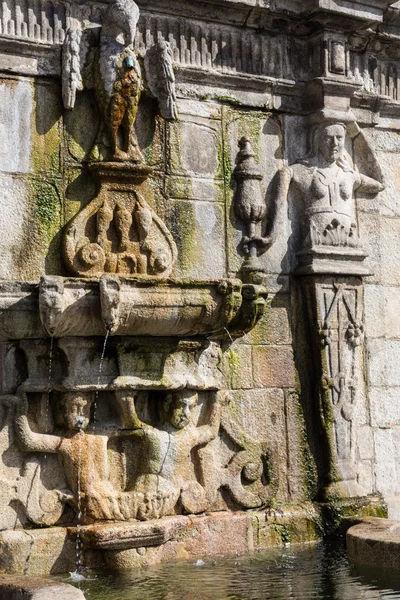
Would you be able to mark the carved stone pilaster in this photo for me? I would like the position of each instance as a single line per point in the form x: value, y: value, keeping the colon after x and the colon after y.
x: 333, y: 390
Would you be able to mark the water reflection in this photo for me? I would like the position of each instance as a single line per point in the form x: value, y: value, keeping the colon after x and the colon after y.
x: 318, y: 572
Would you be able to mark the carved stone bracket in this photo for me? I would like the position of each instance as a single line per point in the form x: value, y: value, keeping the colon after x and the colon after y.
x: 118, y: 232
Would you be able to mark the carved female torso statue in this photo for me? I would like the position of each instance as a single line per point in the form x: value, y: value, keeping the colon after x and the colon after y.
x: 324, y: 184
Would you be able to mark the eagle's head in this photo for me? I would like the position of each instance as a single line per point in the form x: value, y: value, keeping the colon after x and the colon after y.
x: 121, y: 19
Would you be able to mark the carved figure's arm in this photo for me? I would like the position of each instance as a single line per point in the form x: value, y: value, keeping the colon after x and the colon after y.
x: 28, y: 440
x: 206, y: 433
x: 369, y: 185
x: 131, y: 424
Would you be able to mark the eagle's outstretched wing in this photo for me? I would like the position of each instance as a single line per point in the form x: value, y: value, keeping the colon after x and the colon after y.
x: 74, y: 53
x: 161, y: 79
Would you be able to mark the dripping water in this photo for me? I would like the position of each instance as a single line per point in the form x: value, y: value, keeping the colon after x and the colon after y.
x: 96, y: 397
x: 47, y: 423
x: 229, y: 335
x: 77, y: 574
x: 47, y: 416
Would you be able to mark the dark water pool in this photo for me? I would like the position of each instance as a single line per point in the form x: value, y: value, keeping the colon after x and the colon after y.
x: 317, y: 572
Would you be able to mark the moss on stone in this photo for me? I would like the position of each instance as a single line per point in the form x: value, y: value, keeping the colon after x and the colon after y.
x: 46, y: 200
x: 182, y: 225
x: 226, y: 99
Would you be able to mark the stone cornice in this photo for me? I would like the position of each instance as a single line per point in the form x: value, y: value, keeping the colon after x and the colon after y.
x: 215, y: 45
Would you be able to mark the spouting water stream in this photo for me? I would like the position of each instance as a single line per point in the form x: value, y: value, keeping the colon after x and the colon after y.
x: 96, y: 397
x: 79, y: 548
x: 47, y: 423
x: 229, y: 335
x: 80, y: 421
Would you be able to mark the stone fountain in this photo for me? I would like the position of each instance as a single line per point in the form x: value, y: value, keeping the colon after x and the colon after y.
x: 185, y: 319
x: 114, y: 392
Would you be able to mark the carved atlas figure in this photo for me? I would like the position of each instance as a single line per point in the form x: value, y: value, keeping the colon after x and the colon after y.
x: 108, y: 63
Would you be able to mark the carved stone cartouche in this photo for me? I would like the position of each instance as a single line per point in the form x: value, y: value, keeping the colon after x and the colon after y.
x: 118, y: 232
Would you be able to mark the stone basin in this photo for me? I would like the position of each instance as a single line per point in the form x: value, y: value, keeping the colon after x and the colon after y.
x: 375, y: 542
x: 66, y: 307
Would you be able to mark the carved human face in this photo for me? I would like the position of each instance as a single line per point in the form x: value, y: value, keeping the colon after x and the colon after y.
x: 77, y: 410
x: 180, y: 410
x: 331, y: 142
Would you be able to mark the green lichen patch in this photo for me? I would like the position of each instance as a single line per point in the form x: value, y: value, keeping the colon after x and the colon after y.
x: 181, y: 221
x: 338, y: 516
x: 46, y: 129
x: 47, y: 206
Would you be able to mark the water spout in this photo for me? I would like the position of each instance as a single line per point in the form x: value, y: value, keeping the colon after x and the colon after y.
x: 110, y: 291
x: 80, y: 422
x: 51, y: 302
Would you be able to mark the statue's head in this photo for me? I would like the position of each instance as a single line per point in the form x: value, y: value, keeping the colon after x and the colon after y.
x: 329, y: 140
x: 178, y: 408
x: 77, y: 407
x: 121, y: 18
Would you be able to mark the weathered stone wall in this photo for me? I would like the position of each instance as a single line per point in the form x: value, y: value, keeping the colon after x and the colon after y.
x: 242, y: 69
x: 380, y: 221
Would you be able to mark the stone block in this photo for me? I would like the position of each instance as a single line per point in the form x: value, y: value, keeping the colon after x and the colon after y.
x: 392, y: 311
x: 370, y: 234
x: 385, y: 465
x: 365, y: 476
x: 390, y: 250
x: 274, y: 326
x: 289, y: 525
x: 198, y: 229
x: 365, y: 443
x: 261, y: 413
x: 374, y: 315
x: 46, y: 141
x: 238, y: 367
x: 383, y: 363
x: 386, y: 146
x: 14, y: 206
x: 385, y: 408
x: 273, y: 366
x: 34, y: 588
x: 193, y: 148
x: 36, y: 552
x: 195, y: 188
x: 299, y: 472
x: 16, y: 102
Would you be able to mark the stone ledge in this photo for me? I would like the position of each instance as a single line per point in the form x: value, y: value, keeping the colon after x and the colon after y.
x: 21, y: 588
x: 181, y: 537
x: 375, y: 541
